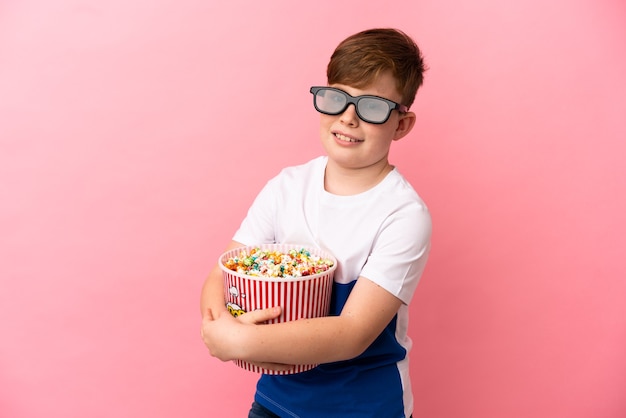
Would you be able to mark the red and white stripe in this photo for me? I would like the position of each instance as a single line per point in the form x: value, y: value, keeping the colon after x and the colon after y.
x: 302, y: 297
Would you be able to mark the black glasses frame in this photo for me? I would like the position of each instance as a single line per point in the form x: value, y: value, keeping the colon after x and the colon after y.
x: 355, y: 101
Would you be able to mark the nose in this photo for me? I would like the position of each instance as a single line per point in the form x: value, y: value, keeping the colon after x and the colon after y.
x: 349, y: 116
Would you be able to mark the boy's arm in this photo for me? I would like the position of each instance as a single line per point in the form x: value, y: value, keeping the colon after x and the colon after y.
x: 368, y: 310
x: 212, y: 305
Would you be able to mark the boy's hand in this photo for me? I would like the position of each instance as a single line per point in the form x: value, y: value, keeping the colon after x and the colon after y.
x: 217, y: 333
x: 224, y: 334
x: 259, y: 317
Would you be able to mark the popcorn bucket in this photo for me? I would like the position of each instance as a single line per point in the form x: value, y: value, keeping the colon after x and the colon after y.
x: 306, y: 296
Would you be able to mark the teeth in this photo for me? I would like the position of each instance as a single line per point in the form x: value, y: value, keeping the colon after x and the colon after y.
x: 346, y: 138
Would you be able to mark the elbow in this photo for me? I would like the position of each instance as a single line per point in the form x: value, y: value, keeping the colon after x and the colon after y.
x: 352, y: 339
x: 352, y: 348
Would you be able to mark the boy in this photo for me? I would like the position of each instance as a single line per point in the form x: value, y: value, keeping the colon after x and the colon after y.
x: 356, y: 205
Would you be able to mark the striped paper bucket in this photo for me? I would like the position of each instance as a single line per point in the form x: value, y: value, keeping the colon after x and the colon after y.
x: 299, y: 297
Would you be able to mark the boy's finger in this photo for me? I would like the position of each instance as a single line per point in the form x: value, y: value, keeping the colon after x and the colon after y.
x: 260, y: 316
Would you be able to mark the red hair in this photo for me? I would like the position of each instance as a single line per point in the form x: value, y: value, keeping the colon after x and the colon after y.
x: 361, y: 58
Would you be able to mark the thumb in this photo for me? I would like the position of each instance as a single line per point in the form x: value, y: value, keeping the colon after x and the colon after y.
x: 261, y: 315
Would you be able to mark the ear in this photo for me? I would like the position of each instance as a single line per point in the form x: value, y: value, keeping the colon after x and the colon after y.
x: 405, y: 124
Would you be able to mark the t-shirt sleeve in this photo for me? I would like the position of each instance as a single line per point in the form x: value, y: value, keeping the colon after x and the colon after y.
x: 400, y: 251
x: 258, y: 227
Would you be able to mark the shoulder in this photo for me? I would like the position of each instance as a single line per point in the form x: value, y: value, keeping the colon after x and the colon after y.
x: 404, y: 212
x: 400, y: 194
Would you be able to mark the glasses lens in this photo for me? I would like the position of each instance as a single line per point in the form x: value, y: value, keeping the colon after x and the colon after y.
x: 373, y: 110
x: 330, y: 101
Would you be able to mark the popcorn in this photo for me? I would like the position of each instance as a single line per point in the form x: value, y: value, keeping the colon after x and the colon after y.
x: 263, y: 263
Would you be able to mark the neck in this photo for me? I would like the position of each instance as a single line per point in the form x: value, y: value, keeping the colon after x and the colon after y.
x: 348, y: 181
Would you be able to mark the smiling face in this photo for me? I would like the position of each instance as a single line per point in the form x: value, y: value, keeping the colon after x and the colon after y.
x: 352, y: 144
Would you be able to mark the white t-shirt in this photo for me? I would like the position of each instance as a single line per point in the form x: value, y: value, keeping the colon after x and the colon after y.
x: 382, y: 234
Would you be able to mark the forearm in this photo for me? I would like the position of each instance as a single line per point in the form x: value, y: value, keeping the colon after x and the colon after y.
x: 305, y: 341
x: 367, y: 312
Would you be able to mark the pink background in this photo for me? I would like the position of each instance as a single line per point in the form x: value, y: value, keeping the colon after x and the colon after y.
x: 134, y: 135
